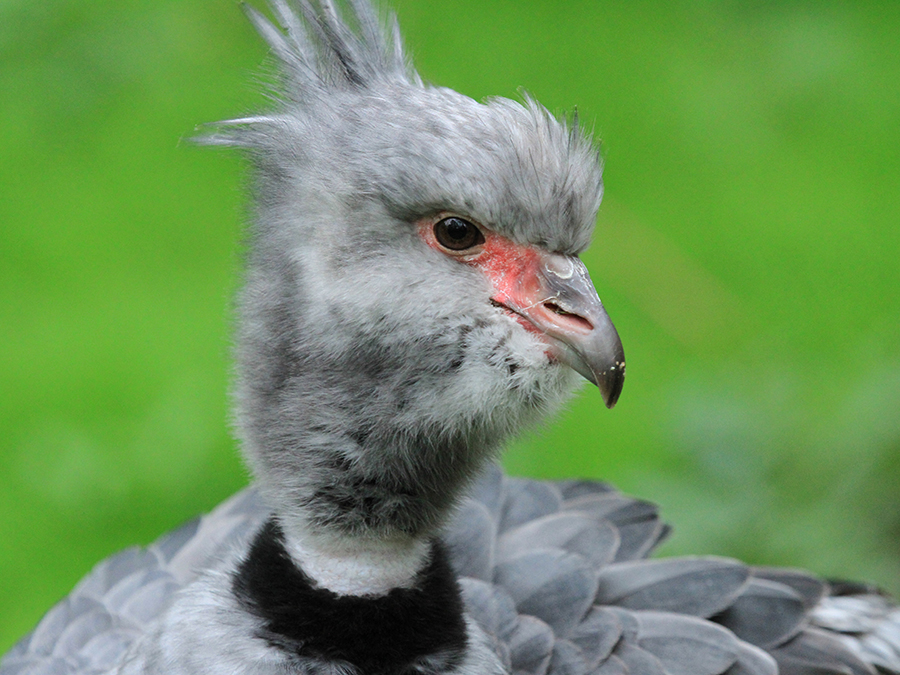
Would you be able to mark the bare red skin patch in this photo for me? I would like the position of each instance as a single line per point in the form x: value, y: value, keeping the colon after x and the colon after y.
x: 511, y: 268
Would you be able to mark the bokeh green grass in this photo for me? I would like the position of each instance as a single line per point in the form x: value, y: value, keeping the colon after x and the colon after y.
x: 748, y: 251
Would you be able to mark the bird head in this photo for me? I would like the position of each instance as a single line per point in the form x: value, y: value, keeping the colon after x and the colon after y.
x: 413, y: 292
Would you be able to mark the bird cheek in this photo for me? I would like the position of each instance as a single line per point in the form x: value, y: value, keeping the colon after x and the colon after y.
x: 512, y: 271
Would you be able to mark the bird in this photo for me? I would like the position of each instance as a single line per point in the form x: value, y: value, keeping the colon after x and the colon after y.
x: 412, y: 298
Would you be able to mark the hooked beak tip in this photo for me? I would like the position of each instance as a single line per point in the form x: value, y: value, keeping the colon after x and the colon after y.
x: 610, y: 383
x: 601, y: 362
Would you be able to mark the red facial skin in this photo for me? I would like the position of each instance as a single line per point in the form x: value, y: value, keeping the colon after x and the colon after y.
x: 511, y: 268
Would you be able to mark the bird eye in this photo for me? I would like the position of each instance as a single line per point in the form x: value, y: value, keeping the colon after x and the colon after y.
x: 457, y: 234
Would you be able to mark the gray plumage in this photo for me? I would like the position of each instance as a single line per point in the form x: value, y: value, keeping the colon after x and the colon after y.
x: 327, y: 393
x: 570, y: 632
x: 379, y: 373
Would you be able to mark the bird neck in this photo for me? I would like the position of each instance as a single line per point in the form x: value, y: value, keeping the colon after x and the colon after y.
x: 361, y: 566
x: 417, y: 629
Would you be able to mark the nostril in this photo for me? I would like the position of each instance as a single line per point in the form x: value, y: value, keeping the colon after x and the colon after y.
x: 583, y: 323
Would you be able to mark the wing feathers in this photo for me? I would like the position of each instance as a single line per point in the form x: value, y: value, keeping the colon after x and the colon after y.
x: 766, y: 613
x: 531, y: 646
x: 597, y: 634
x: 678, y: 616
x: 686, y: 645
x: 695, y: 586
x: 527, y: 500
x: 471, y: 540
x: 555, y: 586
x: 541, y: 573
x: 596, y: 541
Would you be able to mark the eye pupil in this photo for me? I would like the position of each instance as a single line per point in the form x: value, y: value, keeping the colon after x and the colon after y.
x: 457, y: 229
x: 457, y: 234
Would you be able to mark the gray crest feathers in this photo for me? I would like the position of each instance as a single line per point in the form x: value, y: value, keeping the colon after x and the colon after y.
x: 351, y: 115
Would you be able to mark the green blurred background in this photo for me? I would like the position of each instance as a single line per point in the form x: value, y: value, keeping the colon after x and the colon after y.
x: 748, y: 251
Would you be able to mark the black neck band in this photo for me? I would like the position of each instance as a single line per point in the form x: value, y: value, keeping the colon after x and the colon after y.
x: 379, y: 635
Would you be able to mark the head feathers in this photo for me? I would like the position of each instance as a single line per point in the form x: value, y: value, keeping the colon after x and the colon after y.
x: 373, y: 377
x: 352, y: 110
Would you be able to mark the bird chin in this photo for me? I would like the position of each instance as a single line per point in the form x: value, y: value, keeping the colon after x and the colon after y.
x: 548, y: 369
x: 521, y: 320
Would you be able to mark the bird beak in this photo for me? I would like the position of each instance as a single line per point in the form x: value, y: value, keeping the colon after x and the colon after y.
x: 558, y: 298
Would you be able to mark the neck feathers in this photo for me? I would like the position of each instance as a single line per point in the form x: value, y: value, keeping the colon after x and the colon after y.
x: 422, y: 625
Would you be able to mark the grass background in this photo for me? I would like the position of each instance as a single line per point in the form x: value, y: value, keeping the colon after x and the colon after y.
x: 748, y: 250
